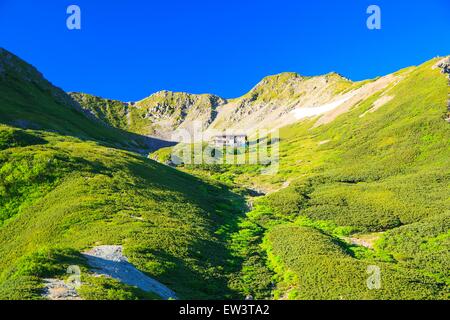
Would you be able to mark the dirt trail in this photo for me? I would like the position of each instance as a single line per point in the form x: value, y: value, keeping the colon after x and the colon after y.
x: 110, y: 261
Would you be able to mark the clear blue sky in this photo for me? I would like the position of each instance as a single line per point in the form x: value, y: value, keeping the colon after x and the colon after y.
x: 129, y: 49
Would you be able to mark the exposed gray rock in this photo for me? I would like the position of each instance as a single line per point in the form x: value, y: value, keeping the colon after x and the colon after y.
x: 56, y: 289
x: 110, y: 261
x: 445, y: 66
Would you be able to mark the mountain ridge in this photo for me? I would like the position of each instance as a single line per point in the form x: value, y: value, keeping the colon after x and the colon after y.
x: 29, y: 100
x: 163, y: 112
x: 275, y: 101
x: 362, y: 163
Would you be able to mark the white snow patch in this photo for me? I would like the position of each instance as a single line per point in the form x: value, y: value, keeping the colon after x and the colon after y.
x: 305, y: 112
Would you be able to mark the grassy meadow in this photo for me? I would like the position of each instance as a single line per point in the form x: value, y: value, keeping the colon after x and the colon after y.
x: 367, y: 191
x: 383, y: 173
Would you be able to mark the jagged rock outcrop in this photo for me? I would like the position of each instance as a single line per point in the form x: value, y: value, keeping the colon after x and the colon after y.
x: 445, y: 69
x: 165, y: 111
x: 445, y: 66
x: 158, y: 115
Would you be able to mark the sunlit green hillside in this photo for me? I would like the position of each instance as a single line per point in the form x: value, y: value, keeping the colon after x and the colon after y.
x: 67, y: 185
x: 61, y: 196
x: 374, y: 184
x: 368, y: 191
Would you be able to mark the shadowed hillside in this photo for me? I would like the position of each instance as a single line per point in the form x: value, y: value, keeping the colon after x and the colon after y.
x: 28, y: 100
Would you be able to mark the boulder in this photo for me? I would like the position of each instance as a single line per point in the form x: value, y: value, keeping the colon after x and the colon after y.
x: 445, y: 66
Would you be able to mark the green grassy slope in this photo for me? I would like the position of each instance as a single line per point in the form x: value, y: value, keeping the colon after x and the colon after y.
x: 66, y: 185
x: 61, y: 195
x: 112, y: 112
x: 384, y: 171
x: 286, y: 86
x: 376, y: 176
x: 28, y: 100
x: 314, y: 265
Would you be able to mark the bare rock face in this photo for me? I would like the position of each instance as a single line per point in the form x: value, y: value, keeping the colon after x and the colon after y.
x: 445, y: 66
x: 56, y: 289
x: 268, y: 105
x: 159, y: 115
x: 165, y: 112
x: 445, y: 69
x: 109, y: 261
